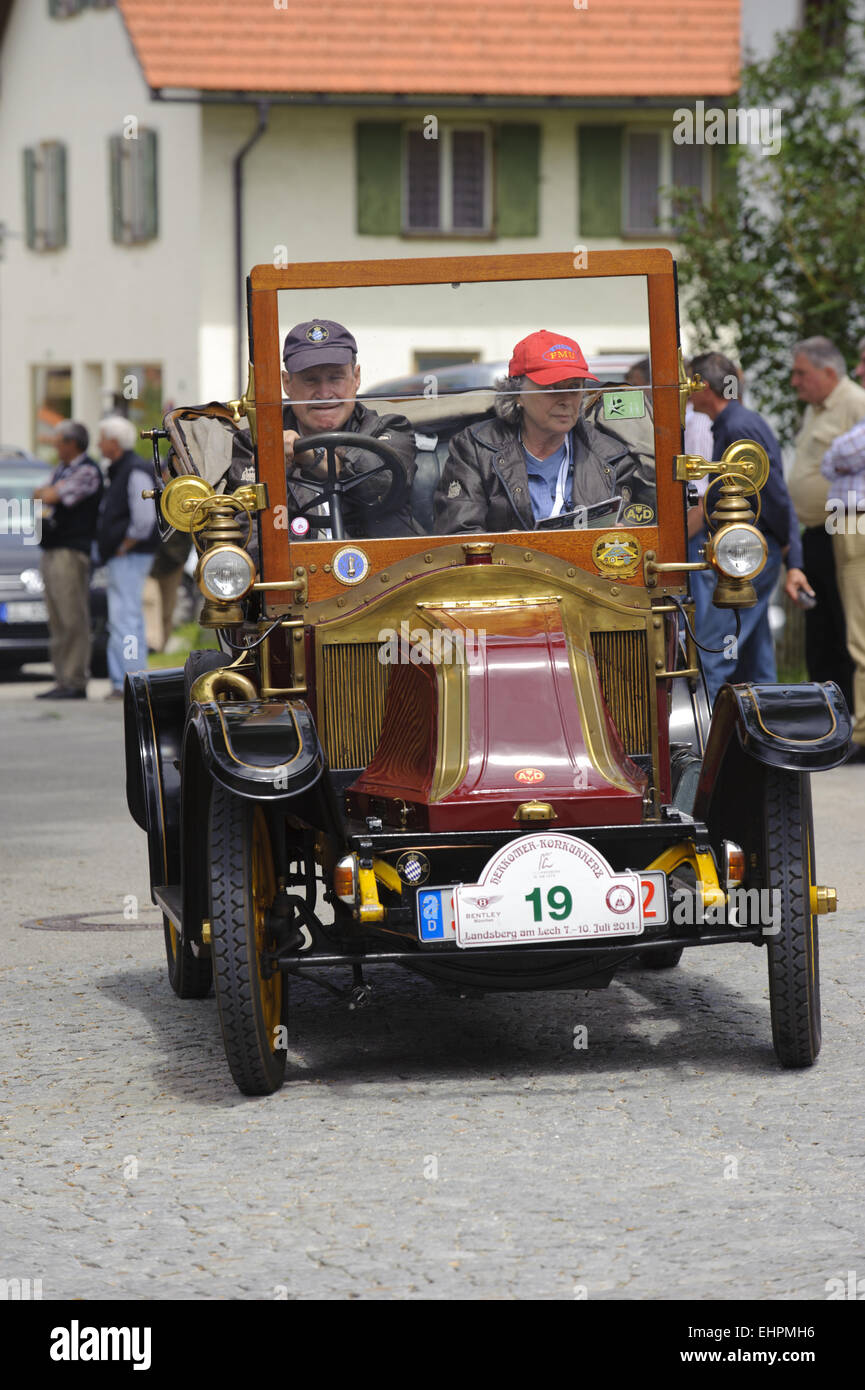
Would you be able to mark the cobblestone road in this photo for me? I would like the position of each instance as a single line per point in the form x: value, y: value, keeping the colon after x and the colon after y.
x: 426, y: 1147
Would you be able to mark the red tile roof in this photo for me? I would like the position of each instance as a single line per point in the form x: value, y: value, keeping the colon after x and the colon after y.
x: 525, y: 48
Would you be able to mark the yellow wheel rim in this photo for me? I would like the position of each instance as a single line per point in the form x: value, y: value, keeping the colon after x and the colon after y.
x: 263, y: 890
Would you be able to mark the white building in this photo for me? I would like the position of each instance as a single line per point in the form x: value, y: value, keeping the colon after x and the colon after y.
x: 121, y: 129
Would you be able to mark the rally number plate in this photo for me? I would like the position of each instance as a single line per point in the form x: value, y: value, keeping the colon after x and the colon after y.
x: 541, y: 888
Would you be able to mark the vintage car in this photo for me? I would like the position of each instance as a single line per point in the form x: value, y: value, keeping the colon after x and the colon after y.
x: 484, y: 757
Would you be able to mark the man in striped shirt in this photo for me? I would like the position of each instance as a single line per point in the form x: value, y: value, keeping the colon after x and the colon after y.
x: 844, y: 468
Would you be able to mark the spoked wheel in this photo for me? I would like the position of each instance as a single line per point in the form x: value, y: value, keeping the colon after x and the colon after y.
x: 242, y: 888
x: 794, y: 976
x: 190, y: 976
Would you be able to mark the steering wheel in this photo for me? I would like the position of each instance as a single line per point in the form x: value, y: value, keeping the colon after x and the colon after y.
x: 332, y: 489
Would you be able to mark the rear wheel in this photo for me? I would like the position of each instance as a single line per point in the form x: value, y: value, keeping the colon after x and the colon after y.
x: 242, y: 889
x: 794, y: 975
x: 190, y: 976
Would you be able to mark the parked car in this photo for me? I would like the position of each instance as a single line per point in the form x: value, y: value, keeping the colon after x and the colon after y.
x: 484, y: 758
x: 24, y: 633
x: 475, y: 376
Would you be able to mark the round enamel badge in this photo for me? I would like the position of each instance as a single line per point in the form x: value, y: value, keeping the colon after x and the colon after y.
x: 413, y: 867
x: 350, y: 565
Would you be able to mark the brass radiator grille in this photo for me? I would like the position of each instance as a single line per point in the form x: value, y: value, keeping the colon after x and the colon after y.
x: 351, y: 693
x: 623, y: 667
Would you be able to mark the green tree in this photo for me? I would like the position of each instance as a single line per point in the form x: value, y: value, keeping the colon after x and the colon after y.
x: 783, y: 257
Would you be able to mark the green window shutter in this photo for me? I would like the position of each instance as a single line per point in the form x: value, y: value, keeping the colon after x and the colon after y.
x: 379, y: 178
x: 62, y: 217
x: 30, y: 197
x: 600, y: 180
x: 115, y: 155
x: 149, y: 184
x: 518, y: 171
x: 724, y: 181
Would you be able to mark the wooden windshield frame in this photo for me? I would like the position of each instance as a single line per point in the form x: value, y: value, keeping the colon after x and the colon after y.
x: 281, y: 556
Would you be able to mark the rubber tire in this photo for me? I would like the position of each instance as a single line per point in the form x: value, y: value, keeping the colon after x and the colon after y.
x: 196, y: 664
x: 190, y: 976
x: 662, y: 960
x: 794, y: 964
x: 257, y: 1066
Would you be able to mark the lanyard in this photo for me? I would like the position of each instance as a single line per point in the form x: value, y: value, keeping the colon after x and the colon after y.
x: 558, y: 505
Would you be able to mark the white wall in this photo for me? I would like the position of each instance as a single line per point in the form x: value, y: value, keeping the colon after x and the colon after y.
x: 94, y: 302
x: 300, y: 193
x: 763, y: 20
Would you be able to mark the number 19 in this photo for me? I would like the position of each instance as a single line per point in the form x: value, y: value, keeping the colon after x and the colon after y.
x: 559, y: 903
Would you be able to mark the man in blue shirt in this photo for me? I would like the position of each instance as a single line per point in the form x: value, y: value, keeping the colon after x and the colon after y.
x: 752, y: 656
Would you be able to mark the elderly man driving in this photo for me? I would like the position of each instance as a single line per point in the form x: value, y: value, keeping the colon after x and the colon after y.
x: 321, y: 378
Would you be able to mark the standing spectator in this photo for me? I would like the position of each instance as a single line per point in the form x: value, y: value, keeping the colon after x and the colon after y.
x: 752, y: 656
x: 74, y: 493
x: 844, y: 468
x: 639, y: 373
x: 126, y: 539
x: 160, y: 589
x: 834, y: 404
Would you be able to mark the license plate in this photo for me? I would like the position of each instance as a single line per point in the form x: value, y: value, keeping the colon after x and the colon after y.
x: 435, y: 914
x: 33, y: 612
x: 655, y: 908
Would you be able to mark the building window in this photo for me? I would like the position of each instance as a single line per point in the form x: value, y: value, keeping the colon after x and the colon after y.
x: 52, y: 402
x: 139, y: 397
x: 62, y: 9
x: 653, y: 165
x: 447, y: 183
x: 134, y: 203
x: 45, y: 196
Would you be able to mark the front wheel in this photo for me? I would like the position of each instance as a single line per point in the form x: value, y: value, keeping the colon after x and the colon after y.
x: 242, y: 889
x: 794, y: 976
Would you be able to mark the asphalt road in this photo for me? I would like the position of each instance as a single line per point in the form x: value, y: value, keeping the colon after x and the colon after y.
x: 425, y: 1147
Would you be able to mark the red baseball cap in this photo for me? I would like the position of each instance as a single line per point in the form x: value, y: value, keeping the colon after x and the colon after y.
x: 547, y: 357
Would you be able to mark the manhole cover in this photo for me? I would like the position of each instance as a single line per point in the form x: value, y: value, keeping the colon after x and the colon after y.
x: 147, y: 920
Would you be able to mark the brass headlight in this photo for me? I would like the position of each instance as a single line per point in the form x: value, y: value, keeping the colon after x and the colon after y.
x: 739, y: 551
x: 225, y: 573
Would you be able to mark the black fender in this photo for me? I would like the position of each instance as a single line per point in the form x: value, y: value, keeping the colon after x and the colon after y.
x: 153, y: 717
x: 266, y: 750
x: 801, y: 728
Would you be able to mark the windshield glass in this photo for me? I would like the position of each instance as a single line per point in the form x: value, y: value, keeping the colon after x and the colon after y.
x: 496, y: 406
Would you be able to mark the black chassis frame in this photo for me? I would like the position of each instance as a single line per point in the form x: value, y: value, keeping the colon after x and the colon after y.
x: 174, y: 751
